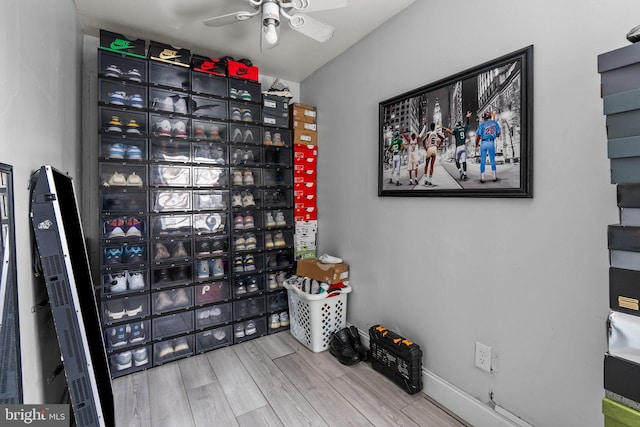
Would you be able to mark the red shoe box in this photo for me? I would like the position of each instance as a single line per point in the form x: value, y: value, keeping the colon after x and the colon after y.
x: 308, y: 201
x: 306, y: 214
x: 207, y: 65
x: 304, y: 189
x: 302, y: 174
x: 305, y: 150
x: 240, y: 70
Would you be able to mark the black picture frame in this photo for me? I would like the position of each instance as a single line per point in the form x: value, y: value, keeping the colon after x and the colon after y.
x: 504, y: 88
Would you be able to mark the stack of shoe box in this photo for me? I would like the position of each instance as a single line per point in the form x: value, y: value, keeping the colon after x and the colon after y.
x: 305, y: 166
x: 197, y: 207
x: 620, y: 90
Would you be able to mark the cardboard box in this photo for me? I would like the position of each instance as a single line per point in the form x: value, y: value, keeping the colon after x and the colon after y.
x: 169, y: 54
x: 304, y: 113
x: 329, y: 273
x: 305, y: 137
x: 299, y: 124
x: 118, y: 43
x: 305, y: 214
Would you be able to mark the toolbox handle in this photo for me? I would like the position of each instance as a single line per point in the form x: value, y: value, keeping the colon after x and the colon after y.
x: 314, y: 297
x: 392, y: 337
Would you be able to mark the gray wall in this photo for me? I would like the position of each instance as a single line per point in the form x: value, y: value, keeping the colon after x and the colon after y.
x: 40, y: 47
x: 527, y: 277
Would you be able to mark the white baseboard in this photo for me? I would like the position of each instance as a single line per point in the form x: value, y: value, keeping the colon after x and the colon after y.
x: 456, y: 400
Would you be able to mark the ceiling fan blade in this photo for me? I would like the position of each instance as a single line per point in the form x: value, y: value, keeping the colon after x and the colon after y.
x: 317, y: 5
x: 229, y: 18
x: 310, y: 27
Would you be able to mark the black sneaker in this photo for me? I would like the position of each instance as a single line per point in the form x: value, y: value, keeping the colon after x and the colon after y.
x: 118, y: 336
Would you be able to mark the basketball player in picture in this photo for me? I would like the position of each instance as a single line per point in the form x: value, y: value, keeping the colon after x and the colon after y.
x: 460, y: 133
x: 412, y: 166
x: 431, y: 144
x: 486, y: 135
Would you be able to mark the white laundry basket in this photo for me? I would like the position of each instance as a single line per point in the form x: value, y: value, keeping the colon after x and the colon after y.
x: 314, y: 317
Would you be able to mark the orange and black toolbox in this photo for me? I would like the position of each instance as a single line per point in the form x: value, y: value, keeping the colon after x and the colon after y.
x: 397, y: 358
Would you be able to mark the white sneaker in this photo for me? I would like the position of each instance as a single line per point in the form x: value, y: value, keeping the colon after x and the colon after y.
x: 140, y: 356
x: 165, y: 104
x: 284, y: 318
x: 179, y: 129
x: 328, y: 259
x: 135, y: 280
x: 118, y: 282
x: 163, y: 127
x: 180, y: 106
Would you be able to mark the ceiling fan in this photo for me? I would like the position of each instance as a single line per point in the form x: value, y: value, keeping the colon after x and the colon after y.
x: 272, y: 10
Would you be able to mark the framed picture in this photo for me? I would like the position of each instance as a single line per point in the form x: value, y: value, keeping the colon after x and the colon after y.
x: 466, y: 135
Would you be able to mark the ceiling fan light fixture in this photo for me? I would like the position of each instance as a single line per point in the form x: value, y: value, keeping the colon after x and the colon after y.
x: 270, y: 20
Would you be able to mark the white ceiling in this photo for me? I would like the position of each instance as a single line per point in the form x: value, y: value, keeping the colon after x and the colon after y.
x: 179, y: 23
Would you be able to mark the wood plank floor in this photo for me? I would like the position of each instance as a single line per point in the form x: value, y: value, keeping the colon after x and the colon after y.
x: 269, y: 381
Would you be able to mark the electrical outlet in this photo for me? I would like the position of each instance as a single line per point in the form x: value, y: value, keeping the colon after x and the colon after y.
x: 483, y: 356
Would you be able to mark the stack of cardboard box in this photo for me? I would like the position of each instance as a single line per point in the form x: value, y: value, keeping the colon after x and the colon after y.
x: 305, y: 161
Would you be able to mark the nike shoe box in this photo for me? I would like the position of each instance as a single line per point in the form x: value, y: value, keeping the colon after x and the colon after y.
x: 207, y: 65
x: 622, y: 377
x: 303, y: 151
x: 323, y: 272
x: 306, y: 214
x: 242, y: 71
x: 305, y: 201
x: 304, y: 189
x: 169, y: 54
x: 304, y: 173
x: 303, y: 113
x: 629, y: 204
x: 121, y: 44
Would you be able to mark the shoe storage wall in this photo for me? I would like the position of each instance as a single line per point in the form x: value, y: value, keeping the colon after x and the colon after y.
x: 620, y: 87
x: 197, y: 223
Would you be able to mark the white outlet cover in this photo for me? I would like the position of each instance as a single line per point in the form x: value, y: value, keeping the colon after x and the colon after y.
x: 483, y: 356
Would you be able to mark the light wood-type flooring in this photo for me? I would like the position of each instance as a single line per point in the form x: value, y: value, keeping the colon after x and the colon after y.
x: 269, y: 381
